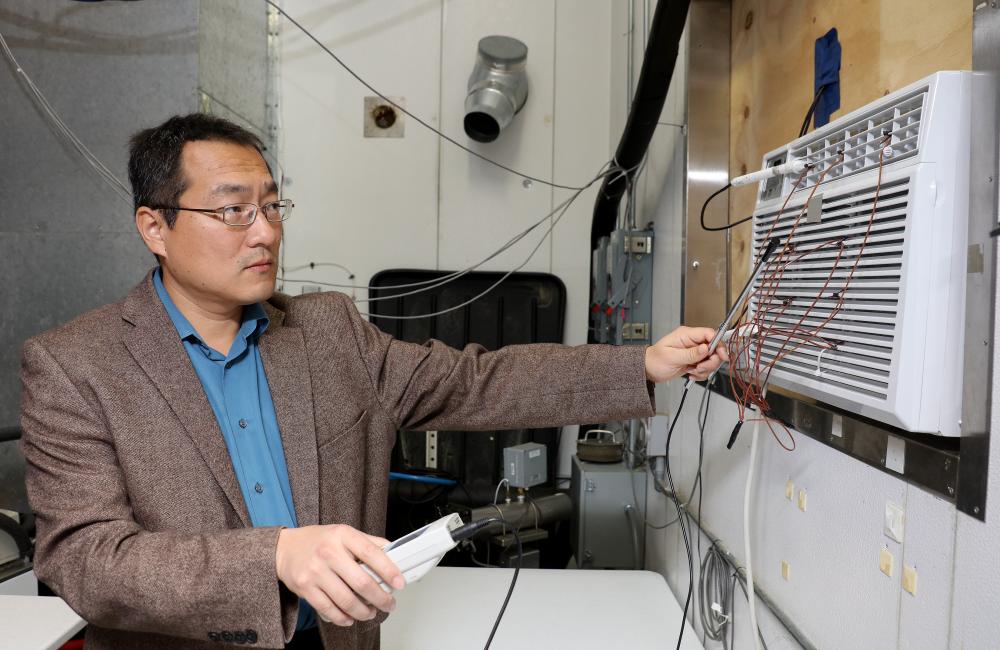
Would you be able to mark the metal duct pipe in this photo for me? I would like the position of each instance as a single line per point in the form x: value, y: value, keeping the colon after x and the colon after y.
x: 498, y: 87
x: 543, y: 510
x: 650, y: 93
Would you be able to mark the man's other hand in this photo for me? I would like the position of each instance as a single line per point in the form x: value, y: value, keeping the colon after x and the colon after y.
x: 684, y: 352
x: 320, y: 564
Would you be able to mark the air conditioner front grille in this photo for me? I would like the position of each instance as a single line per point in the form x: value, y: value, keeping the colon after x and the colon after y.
x: 799, y: 292
x: 861, y: 140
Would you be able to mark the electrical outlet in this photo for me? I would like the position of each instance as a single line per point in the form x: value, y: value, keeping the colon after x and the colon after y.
x: 885, y: 561
x: 802, y: 500
x: 789, y: 490
x: 786, y: 571
x: 910, y: 579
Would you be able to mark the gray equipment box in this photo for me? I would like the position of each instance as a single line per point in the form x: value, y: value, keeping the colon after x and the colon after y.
x: 603, y: 534
x: 524, y: 465
x: 599, y: 291
x: 630, y: 289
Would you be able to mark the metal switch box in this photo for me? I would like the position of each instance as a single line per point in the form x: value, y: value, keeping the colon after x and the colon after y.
x: 525, y: 465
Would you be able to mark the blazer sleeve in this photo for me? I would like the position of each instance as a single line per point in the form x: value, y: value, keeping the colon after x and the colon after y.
x: 92, y: 552
x: 435, y: 387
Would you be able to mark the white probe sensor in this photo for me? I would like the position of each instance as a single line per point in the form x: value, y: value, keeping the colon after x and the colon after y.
x: 796, y: 166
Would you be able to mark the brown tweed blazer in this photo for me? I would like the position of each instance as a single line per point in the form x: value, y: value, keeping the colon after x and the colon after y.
x: 141, y: 525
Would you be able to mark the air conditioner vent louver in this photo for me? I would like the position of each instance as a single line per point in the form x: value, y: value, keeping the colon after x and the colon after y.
x: 807, y: 291
x: 861, y: 139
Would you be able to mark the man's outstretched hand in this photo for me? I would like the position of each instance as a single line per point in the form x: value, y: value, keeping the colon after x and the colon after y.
x: 320, y: 564
x: 684, y: 352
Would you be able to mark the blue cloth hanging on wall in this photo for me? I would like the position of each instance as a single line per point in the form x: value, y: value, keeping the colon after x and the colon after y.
x: 827, y: 76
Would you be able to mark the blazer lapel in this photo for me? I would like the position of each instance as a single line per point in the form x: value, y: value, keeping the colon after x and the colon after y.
x: 152, y: 340
x: 283, y: 351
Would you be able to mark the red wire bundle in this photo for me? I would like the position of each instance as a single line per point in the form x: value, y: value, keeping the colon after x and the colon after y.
x: 749, y: 374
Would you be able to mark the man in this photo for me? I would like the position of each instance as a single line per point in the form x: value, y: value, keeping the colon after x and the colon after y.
x: 209, y: 460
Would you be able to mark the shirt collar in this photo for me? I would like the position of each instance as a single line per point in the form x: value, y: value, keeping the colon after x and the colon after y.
x: 254, y: 321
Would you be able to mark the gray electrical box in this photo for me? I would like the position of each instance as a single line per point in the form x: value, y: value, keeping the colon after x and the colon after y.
x: 604, y: 534
x: 524, y: 465
x: 630, y: 286
x: 599, y: 291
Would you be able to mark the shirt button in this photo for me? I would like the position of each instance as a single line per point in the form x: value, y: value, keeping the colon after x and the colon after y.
x: 243, y: 423
x: 259, y: 488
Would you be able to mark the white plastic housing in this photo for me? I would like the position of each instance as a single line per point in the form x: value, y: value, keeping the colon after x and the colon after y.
x: 900, y: 331
x: 420, y: 551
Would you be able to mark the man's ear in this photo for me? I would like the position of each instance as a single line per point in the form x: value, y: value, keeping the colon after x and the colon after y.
x: 151, y: 226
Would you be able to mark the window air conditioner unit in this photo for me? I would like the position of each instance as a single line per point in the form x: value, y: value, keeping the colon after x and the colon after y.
x: 897, y: 338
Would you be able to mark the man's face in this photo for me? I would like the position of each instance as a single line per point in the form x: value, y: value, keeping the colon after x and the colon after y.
x: 213, y: 262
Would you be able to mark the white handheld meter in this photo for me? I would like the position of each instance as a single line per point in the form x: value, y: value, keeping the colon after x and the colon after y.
x: 420, y: 551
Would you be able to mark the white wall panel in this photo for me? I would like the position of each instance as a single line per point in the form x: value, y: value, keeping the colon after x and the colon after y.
x: 582, y: 77
x: 976, y: 592
x: 366, y: 203
x: 482, y: 205
x: 929, y: 547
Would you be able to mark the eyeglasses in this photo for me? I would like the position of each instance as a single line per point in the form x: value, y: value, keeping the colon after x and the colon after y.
x: 243, y: 214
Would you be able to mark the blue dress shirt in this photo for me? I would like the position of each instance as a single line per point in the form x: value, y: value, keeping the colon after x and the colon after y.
x: 237, y: 389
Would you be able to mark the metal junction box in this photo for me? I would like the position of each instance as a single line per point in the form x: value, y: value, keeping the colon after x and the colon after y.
x: 524, y: 465
x: 603, y: 534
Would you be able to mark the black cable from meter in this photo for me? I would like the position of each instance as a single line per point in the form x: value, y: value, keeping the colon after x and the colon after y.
x: 699, y: 483
x: 685, y: 534
x: 413, y: 117
x: 510, y: 590
x: 704, y: 206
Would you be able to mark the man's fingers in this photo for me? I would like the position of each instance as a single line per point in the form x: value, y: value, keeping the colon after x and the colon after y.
x: 381, y: 542
x: 325, y: 608
x: 365, y: 586
x: 345, y: 598
x: 689, y: 356
x: 377, y: 561
x: 686, y: 337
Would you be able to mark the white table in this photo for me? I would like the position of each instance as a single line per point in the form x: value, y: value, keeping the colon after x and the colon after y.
x: 454, y: 607
x: 36, y: 622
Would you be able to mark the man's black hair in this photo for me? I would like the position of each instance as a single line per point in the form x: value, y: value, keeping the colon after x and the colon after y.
x: 154, y: 161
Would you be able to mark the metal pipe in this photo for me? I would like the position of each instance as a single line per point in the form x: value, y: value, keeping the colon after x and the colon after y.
x: 532, y: 512
x: 498, y: 87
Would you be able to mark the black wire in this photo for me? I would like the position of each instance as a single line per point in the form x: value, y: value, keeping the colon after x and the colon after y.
x: 510, y: 590
x: 716, y: 585
x: 411, y: 115
x: 699, y: 483
x: 704, y: 206
x: 812, y: 109
x: 681, y: 514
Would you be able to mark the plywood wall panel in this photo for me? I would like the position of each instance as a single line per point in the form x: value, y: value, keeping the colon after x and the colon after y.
x: 886, y: 45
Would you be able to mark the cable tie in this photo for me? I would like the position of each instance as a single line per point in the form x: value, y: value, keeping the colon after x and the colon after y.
x: 819, y: 362
x: 717, y: 608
